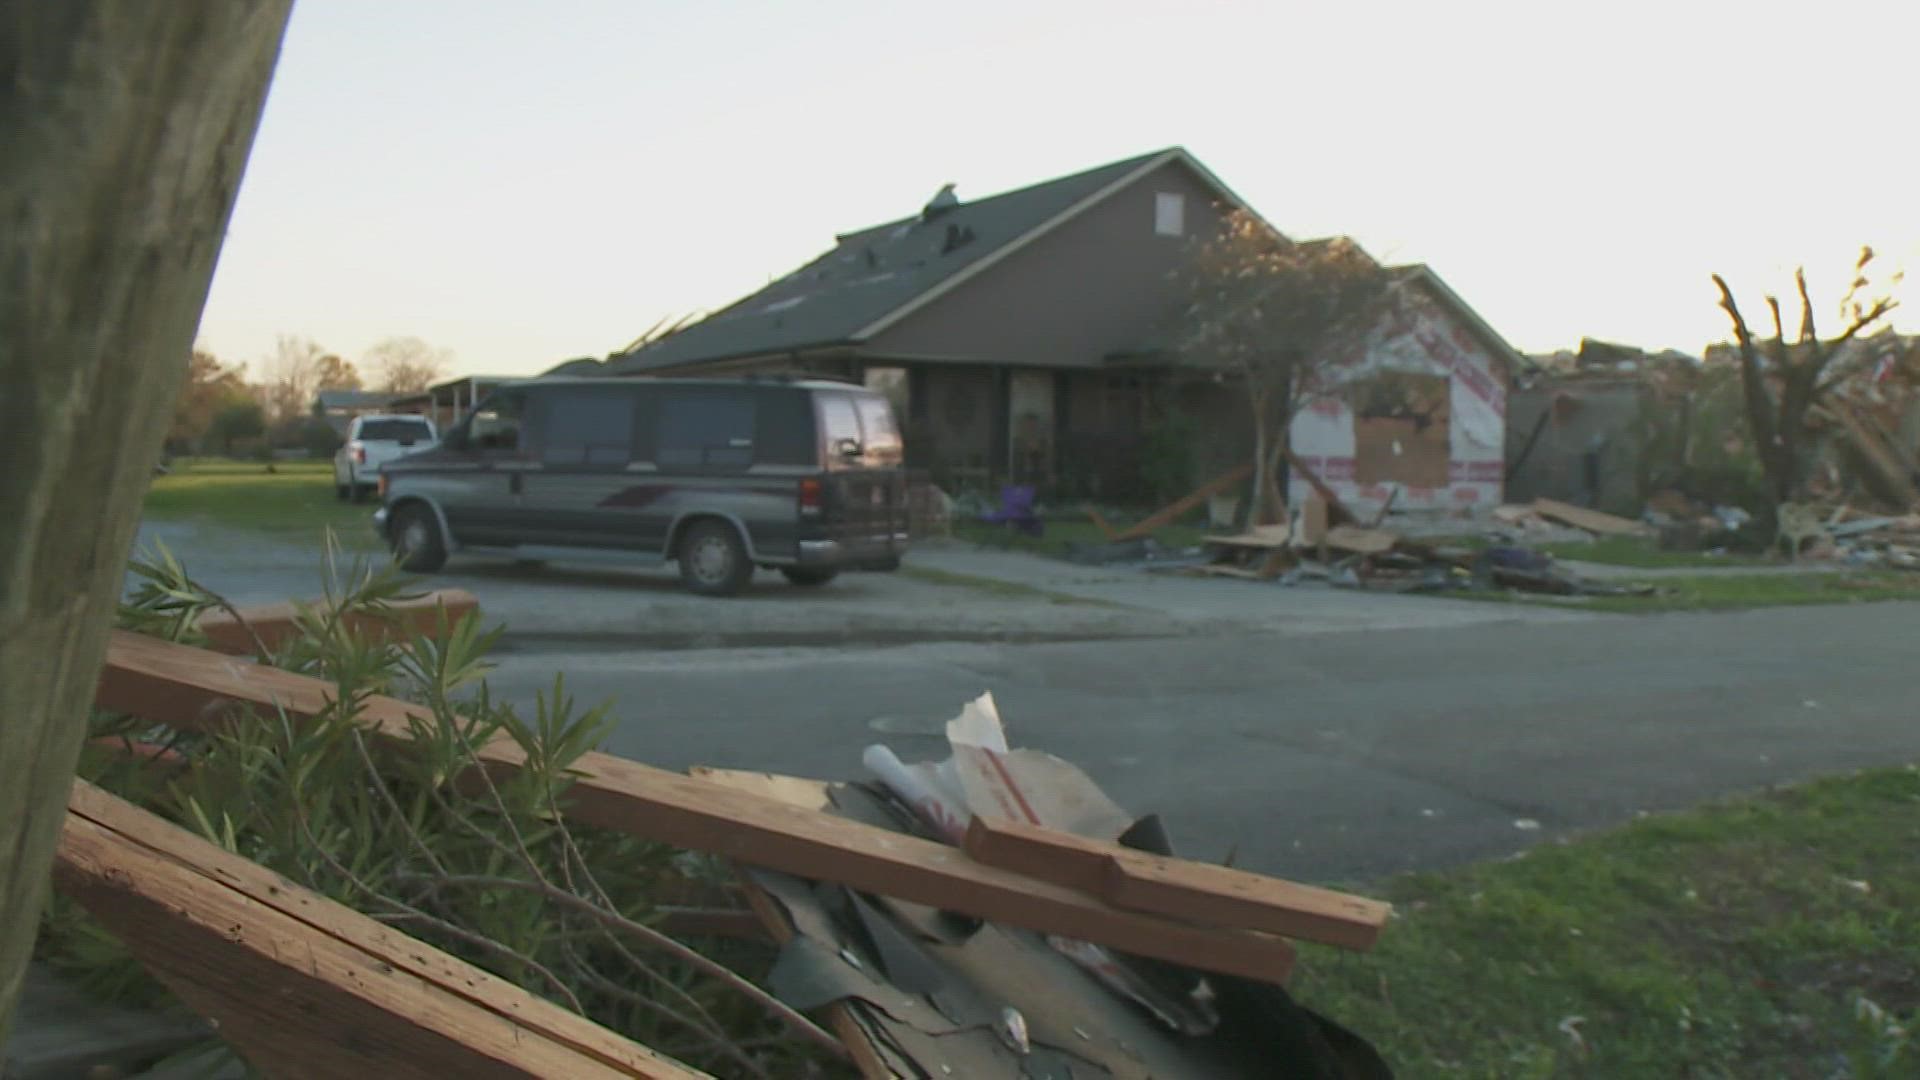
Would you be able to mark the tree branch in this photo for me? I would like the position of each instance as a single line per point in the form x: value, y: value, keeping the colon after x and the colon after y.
x: 780, y: 1010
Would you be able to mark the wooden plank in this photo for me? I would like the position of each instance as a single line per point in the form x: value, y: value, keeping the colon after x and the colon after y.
x: 275, y: 623
x: 1106, y: 527
x: 304, y: 986
x: 1313, y: 521
x: 1260, y: 536
x: 1184, y: 505
x: 1591, y: 520
x: 1364, y: 541
x: 176, y: 684
x: 1337, y: 511
x: 1179, y: 888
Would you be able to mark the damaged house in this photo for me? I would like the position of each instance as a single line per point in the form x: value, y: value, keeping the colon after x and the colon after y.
x: 1017, y: 337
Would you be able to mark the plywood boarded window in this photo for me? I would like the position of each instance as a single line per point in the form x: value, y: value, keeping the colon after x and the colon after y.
x: 1400, y: 430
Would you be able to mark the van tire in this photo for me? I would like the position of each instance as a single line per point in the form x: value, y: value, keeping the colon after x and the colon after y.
x: 713, y: 561
x: 417, y: 544
x: 340, y: 492
x: 808, y: 576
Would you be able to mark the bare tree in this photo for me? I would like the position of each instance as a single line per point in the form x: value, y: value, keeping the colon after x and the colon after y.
x: 293, y: 374
x: 408, y: 365
x: 128, y: 126
x: 1781, y: 382
x: 334, y: 373
x: 1275, y: 314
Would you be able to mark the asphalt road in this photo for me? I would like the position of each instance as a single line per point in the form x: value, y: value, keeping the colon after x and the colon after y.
x: 1323, y: 734
x: 1336, y: 757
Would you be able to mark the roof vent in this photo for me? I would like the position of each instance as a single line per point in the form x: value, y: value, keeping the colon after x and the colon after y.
x: 942, y: 202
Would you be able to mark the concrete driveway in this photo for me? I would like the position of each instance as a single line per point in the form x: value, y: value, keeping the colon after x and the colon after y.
x: 949, y: 593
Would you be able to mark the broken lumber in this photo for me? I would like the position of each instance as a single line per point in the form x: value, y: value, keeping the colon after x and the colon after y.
x: 1591, y: 520
x: 303, y: 986
x: 168, y: 683
x: 273, y: 624
x: 1178, y: 888
x: 1106, y: 527
x: 1337, y: 511
x: 1184, y: 505
x: 1260, y: 536
x: 1361, y: 541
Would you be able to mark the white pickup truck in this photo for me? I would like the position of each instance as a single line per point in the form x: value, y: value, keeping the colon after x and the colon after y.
x: 372, y: 441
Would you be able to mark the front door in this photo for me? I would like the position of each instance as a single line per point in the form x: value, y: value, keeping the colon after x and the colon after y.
x: 1030, y: 427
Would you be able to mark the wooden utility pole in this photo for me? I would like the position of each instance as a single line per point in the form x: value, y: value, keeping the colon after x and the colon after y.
x: 126, y: 126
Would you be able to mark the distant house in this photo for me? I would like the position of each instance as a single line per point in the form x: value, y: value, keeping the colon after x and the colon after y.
x: 339, y: 407
x: 446, y: 403
x: 1016, y: 335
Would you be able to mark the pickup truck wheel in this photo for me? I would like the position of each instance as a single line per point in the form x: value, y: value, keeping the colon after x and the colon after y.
x: 713, y: 561
x: 341, y: 491
x: 358, y: 490
x: 417, y: 544
x: 808, y: 576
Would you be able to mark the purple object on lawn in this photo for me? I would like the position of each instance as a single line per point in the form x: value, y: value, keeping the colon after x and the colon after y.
x: 1016, y: 510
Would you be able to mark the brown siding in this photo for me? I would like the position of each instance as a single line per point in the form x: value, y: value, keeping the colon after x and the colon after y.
x: 1095, y: 285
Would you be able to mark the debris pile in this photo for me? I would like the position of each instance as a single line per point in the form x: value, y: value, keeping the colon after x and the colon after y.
x: 1372, y: 557
x: 991, y: 914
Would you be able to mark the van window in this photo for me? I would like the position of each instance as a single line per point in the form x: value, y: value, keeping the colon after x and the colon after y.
x: 876, y: 419
x: 496, y: 425
x: 838, y: 420
x: 783, y: 434
x: 587, y: 427
x: 705, y: 429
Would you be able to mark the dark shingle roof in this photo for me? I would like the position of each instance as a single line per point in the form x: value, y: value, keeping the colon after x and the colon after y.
x: 351, y: 399
x: 871, y: 273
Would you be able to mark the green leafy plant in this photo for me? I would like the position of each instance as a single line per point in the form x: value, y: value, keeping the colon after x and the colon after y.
x: 414, y: 833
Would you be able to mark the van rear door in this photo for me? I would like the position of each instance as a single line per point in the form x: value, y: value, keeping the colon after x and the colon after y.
x: 866, y: 485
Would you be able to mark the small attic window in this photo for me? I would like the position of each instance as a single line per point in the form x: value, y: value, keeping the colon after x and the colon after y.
x: 1169, y: 214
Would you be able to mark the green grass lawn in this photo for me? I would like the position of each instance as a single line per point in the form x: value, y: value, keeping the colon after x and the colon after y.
x: 297, y: 498
x: 1754, y: 938
x: 1731, y: 592
x: 1644, y: 553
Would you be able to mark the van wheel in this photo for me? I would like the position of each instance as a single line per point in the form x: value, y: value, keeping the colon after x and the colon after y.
x: 340, y: 492
x: 713, y: 561
x: 807, y: 576
x: 417, y: 544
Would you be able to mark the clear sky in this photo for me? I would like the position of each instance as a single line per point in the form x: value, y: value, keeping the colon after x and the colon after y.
x: 527, y: 182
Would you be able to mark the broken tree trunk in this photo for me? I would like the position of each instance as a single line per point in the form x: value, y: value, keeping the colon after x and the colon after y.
x: 127, y: 126
x: 190, y: 688
x: 303, y: 986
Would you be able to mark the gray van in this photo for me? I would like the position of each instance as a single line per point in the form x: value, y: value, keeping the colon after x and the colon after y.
x: 720, y: 475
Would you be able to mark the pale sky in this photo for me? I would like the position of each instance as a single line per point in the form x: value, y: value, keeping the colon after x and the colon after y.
x: 528, y: 182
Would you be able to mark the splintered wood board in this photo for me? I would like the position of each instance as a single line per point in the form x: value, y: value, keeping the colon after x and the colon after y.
x: 304, y: 986
x: 1591, y: 520
x: 1179, y: 888
x: 192, y: 688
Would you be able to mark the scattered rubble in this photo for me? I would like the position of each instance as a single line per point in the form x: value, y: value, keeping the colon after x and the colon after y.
x: 1386, y: 559
x: 990, y: 914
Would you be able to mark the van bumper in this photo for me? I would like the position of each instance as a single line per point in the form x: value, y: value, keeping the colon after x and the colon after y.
x: 880, y: 552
